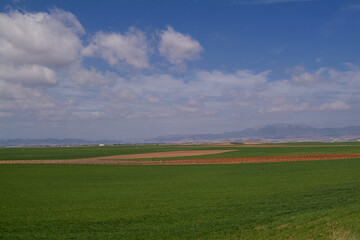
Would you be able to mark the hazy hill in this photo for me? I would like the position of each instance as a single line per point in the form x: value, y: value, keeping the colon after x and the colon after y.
x: 50, y: 142
x: 273, y: 132
x: 267, y: 133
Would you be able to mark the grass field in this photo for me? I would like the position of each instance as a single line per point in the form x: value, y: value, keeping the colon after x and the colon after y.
x: 240, y: 151
x: 295, y: 200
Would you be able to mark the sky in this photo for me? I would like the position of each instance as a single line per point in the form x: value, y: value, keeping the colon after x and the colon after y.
x: 126, y: 70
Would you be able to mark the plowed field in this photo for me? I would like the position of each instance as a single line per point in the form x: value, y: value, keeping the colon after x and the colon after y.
x: 110, y: 160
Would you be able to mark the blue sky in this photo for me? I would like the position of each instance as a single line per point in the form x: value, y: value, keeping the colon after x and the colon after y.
x: 139, y: 69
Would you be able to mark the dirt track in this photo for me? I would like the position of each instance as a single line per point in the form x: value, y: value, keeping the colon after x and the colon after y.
x: 166, y: 154
x: 97, y: 161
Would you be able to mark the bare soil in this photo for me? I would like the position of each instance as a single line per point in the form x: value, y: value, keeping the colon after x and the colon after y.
x: 107, y: 161
x: 166, y: 154
x: 277, y: 146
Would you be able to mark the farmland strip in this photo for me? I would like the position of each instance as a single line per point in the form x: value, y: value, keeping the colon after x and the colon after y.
x: 104, y: 161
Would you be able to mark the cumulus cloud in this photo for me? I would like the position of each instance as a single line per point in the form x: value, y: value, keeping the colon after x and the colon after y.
x: 323, y: 81
x: 32, y: 75
x: 177, y: 47
x: 242, y: 90
x: 90, y: 77
x: 303, y: 91
x: 227, y: 85
x: 305, y: 78
x: 116, y: 48
x: 43, y: 74
x: 48, y: 39
x: 15, y: 97
x: 34, y: 47
x: 300, y: 75
x: 312, y: 91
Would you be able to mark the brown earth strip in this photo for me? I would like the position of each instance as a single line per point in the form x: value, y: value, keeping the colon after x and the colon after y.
x: 291, y: 158
x: 278, y: 146
x: 166, y: 154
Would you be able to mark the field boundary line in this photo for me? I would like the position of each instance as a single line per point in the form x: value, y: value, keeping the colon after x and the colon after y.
x: 104, y: 161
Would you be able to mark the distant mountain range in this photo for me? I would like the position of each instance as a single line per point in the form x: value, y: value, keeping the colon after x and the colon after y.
x: 271, y: 133
x: 267, y: 133
x: 52, y: 142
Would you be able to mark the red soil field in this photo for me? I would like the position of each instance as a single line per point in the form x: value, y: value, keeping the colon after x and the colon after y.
x: 110, y: 161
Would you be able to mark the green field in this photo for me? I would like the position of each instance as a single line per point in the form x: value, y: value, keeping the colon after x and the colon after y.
x: 240, y: 151
x: 293, y: 200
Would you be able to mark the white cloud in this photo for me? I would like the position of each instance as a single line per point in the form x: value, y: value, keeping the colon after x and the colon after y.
x: 28, y: 74
x: 242, y: 89
x: 87, y: 115
x: 16, y: 97
x: 48, y: 39
x: 126, y: 93
x: 34, y: 49
x: 177, y: 110
x: 90, y: 77
x: 130, y: 48
x: 177, y: 47
x: 336, y: 105
x: 206, y: 92
x: 324, y: 81
x: 303, y: 91
x: 304, y: 78
x: 54, y: 114
x: 150, y: 98
x: 10, y: 91
x: 158, y: 83
x: 283, y: 105
x: 68, y: 19
x: 311, y: 91
x: 300, y: 75
x: 287, y: 108
x: 39, y: 50
x: 240, y: 78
